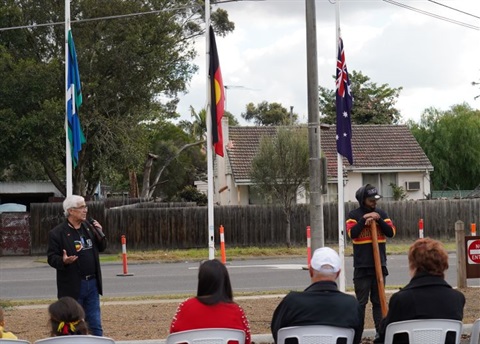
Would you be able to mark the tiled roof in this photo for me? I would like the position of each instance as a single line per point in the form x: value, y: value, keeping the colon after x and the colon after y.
x: 378, y: 147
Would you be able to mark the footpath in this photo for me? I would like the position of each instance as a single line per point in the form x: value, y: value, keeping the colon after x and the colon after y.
x: 29, y: 261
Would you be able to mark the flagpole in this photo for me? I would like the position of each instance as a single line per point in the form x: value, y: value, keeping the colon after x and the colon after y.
x: 68, y: 153
x: 208, y: 119
x: 340, y: 187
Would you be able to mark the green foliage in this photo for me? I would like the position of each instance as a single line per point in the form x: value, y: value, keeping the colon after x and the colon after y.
x: 399, y: 193
x: 451, y: 140
x: 131, y: 71
x: 166, y: 139
x: 197, y: 128
x: 268, y: 114
x: 281, y: 166
x: 191, y: 194
x: 372, y: 104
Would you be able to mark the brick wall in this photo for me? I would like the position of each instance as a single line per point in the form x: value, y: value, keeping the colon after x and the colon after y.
x: 14, y: 234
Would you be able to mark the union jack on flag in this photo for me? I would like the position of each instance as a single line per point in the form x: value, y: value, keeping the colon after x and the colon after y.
x: 344, y: 104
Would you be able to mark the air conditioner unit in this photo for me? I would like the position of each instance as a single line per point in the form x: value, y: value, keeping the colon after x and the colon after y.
x: 412, y: 186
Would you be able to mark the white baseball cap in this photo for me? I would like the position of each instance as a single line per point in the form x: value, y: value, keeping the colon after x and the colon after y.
x: 325, y: 256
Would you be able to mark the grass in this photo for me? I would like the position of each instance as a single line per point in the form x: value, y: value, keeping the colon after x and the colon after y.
x: 236, y: 253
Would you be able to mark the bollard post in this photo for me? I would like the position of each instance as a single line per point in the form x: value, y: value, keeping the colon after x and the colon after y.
x: 420, y: 228
x: 124, y: 257
x: 461, y: 261
x: 473, y: 229
x: 222, y: 245
x: 309, y: 246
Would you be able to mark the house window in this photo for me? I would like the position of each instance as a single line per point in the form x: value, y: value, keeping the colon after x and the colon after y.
x: 255, y: 196
x: 382, y: 182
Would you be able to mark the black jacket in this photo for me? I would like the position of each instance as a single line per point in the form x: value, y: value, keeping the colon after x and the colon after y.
x: 361, y: 235
x: 425, y: 297
x: 320, y: 304
x: 69, y: 276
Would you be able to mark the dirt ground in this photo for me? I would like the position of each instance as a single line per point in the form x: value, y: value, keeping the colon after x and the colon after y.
x: 151, y: 319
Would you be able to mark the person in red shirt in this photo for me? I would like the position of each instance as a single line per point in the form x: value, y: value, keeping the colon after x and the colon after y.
x: 213, y: 307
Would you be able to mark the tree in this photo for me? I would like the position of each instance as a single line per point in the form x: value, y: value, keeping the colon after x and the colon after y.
x: 281, y: 166
x: 125, y: 65
x: 176, y: 159
x: 372, y: 104
x: 197, y: 128
x: 268, y: 114
x: 451, y: 140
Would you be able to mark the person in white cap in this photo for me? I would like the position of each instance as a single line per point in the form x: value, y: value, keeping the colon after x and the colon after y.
x: 321, y: 303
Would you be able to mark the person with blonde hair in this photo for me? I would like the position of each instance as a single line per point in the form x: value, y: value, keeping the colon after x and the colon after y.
x: 427, y: 295
x: 3, y: 333
x: 67, y: 318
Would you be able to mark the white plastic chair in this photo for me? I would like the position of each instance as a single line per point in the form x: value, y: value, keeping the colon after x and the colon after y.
x: 76, y: 339
x: 13, y: 341
x: 318, y: 334
x: 432, y: 331
x: 475, y: 335
x: 207, y: 336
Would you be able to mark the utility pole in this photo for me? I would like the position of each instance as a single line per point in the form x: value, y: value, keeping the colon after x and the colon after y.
x: 316, y: 204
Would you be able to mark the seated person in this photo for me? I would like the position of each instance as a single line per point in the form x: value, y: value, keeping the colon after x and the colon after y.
x: 321, y: 303
x: 67, y: 318
x: 213, y: 307
x: 427, y: 295
x: 4, y: 334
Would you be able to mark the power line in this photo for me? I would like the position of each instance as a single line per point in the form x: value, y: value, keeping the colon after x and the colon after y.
x: 32, y: 26
x: 433, y: 15
x: 454, y: 9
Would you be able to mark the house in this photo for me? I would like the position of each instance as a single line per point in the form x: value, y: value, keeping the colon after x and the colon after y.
x: 26, y: 192
x: 383, y: 155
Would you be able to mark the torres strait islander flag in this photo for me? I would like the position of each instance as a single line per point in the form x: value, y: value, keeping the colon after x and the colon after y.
x: 74, y: 100
x: 344, y: 104
x: 217, y: 92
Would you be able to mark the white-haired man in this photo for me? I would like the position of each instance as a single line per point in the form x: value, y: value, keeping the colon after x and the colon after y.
x: 73, y: 248
x: 321, y: 303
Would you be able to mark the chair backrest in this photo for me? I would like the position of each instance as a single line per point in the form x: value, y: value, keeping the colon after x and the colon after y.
x: 475, y: 335
x: 209, y: 335
x: 76, y: 339
x: 318, y: 334
x: 423, y: 331
x: 13, y: 341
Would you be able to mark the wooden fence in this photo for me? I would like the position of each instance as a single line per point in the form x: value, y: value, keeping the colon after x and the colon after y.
x: 169, y: 226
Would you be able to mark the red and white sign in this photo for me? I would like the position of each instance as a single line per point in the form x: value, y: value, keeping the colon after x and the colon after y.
x: 473, y: 251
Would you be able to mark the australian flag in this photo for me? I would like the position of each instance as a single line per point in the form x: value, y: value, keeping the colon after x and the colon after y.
x: 344, y: 103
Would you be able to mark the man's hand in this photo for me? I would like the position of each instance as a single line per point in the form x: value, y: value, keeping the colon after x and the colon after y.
x: 68, y: 259
x: 369, y: 217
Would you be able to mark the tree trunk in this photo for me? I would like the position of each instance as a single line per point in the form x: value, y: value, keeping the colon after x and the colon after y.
x: 287, y: 222
x: 149, y: 190
x: 147, y: 169
x: 54, y: 178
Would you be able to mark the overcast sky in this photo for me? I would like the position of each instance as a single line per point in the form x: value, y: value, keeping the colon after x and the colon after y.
x: 265, y: 57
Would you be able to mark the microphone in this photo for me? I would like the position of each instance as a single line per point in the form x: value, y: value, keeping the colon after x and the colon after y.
x: 97, y: 230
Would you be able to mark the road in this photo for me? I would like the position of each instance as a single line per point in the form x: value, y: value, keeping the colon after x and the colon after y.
x: 37, y: 281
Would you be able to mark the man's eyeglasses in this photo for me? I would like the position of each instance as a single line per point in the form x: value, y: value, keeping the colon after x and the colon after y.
x: 82, y: 207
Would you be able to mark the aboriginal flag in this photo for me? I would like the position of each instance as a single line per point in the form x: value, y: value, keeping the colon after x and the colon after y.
x: 217, y: 92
